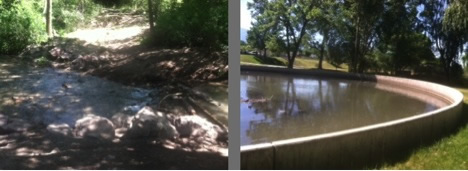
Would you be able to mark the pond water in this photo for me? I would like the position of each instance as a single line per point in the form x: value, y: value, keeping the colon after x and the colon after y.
x: 276, y: 106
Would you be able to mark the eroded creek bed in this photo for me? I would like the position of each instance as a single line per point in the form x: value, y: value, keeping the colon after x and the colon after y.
x: 32, y: 99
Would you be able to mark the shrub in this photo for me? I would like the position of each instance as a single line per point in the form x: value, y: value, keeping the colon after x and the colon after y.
x: 70, y: 14
x: 193, y: 23
x: 21, y: 24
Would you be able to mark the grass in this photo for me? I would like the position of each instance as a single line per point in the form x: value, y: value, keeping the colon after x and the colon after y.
x: 448, y: 153
x: 306, y: 63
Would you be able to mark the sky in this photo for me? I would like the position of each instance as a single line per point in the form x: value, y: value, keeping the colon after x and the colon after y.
x: 245, y: 18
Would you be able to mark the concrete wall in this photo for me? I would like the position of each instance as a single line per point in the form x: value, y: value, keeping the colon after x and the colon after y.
x: 364, y: 146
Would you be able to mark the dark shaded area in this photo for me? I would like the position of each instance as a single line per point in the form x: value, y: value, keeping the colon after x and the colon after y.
x: 61, y: 152
x: 112, y: 3
x: 269, y: 60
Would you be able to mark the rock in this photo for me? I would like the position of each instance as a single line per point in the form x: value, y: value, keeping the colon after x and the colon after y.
x: 133, y: 108
x: 63, y: 129
x: 94, y: 126
x: 147, y: 123
x: 120, y: 132
x: 121, y: 121
x: 196, y: 127
x: 187, y: 50
x: 57, y: 53
x: 85, y: 62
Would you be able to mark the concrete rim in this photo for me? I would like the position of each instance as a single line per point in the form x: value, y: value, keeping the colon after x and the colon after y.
x: 455, y: 96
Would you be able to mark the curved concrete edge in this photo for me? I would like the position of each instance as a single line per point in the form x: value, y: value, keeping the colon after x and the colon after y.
x: 363, y: 146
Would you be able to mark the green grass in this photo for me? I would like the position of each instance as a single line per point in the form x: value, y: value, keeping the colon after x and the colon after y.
x: 448, y: 153
x: 306, y: 63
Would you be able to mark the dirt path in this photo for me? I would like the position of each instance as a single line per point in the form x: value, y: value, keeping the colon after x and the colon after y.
x: 113, y: 31
x: 116, y: 76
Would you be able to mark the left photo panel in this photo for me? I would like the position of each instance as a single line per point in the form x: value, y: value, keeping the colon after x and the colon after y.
x: 122, y: 84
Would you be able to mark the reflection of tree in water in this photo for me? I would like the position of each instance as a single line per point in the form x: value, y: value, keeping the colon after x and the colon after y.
x: 264, y: 87
x: 302, y: 107
x: 285, y: 105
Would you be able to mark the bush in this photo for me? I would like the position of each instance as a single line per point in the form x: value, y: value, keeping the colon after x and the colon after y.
x: 21, y: 24
x: 70, y: 14
x: 193, y: 23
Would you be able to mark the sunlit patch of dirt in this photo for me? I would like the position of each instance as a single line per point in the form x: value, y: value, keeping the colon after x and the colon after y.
x: 112, y: 38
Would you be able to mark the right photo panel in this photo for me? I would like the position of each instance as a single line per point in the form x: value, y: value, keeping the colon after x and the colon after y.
x: 353, y: 84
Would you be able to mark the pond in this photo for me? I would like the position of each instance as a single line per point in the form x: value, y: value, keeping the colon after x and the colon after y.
x: 279, y: 106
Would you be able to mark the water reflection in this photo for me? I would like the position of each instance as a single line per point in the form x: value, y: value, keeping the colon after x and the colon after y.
x: 279, y: 107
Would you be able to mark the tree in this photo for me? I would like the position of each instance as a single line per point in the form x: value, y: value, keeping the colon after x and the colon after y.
x: 49, y: 18
x: 295, y: 18
x: 400, y: 43
x: 262, y: 27
x: 257, y: 38
x: 338, y: 48
x: 447, y: 42
x: 151, y: 15
x: 275, y: 44
x: 361, y: 17
x: 323, y: 16
x: 456, y: 16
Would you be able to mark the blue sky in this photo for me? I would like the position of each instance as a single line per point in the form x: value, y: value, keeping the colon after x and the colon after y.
x: 245, y: 18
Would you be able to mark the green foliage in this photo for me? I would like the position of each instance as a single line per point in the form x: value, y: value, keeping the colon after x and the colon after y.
x: 67, y: 15
x: 404, y: 51
x: 245, y: 48
x: 21, y: 24
x: 276, y: 45
x: 193, y: 23
x: 456, y: 17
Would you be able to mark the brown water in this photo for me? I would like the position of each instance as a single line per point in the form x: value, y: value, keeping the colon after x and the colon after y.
x: 284, y: 106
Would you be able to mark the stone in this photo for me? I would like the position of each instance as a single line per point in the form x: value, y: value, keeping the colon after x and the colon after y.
x: 63, y: 129
x: 148, y: 123
x: 57, y: 53
x: 121, y: 120
x: 94, y: 126
x: 196, y: 127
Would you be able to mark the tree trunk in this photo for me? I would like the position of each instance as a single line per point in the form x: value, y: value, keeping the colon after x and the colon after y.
x: 151, y: 15
x: 355, y: 57
x: 290, y: 63
x: 264, y: 53
x: 322, y: 48
x: 49, y: 18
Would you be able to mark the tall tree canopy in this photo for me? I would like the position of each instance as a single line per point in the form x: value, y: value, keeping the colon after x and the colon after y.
x: 387, y: 35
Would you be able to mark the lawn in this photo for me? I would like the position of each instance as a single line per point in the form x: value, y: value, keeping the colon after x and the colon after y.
x: 307, y: 63
x: 448, y: 153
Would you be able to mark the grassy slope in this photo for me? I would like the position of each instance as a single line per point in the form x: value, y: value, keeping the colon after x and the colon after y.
x: 299, y: 62
x: 448, y: 153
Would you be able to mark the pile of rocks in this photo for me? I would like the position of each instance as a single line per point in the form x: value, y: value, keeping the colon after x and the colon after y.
x: 146, y: 123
